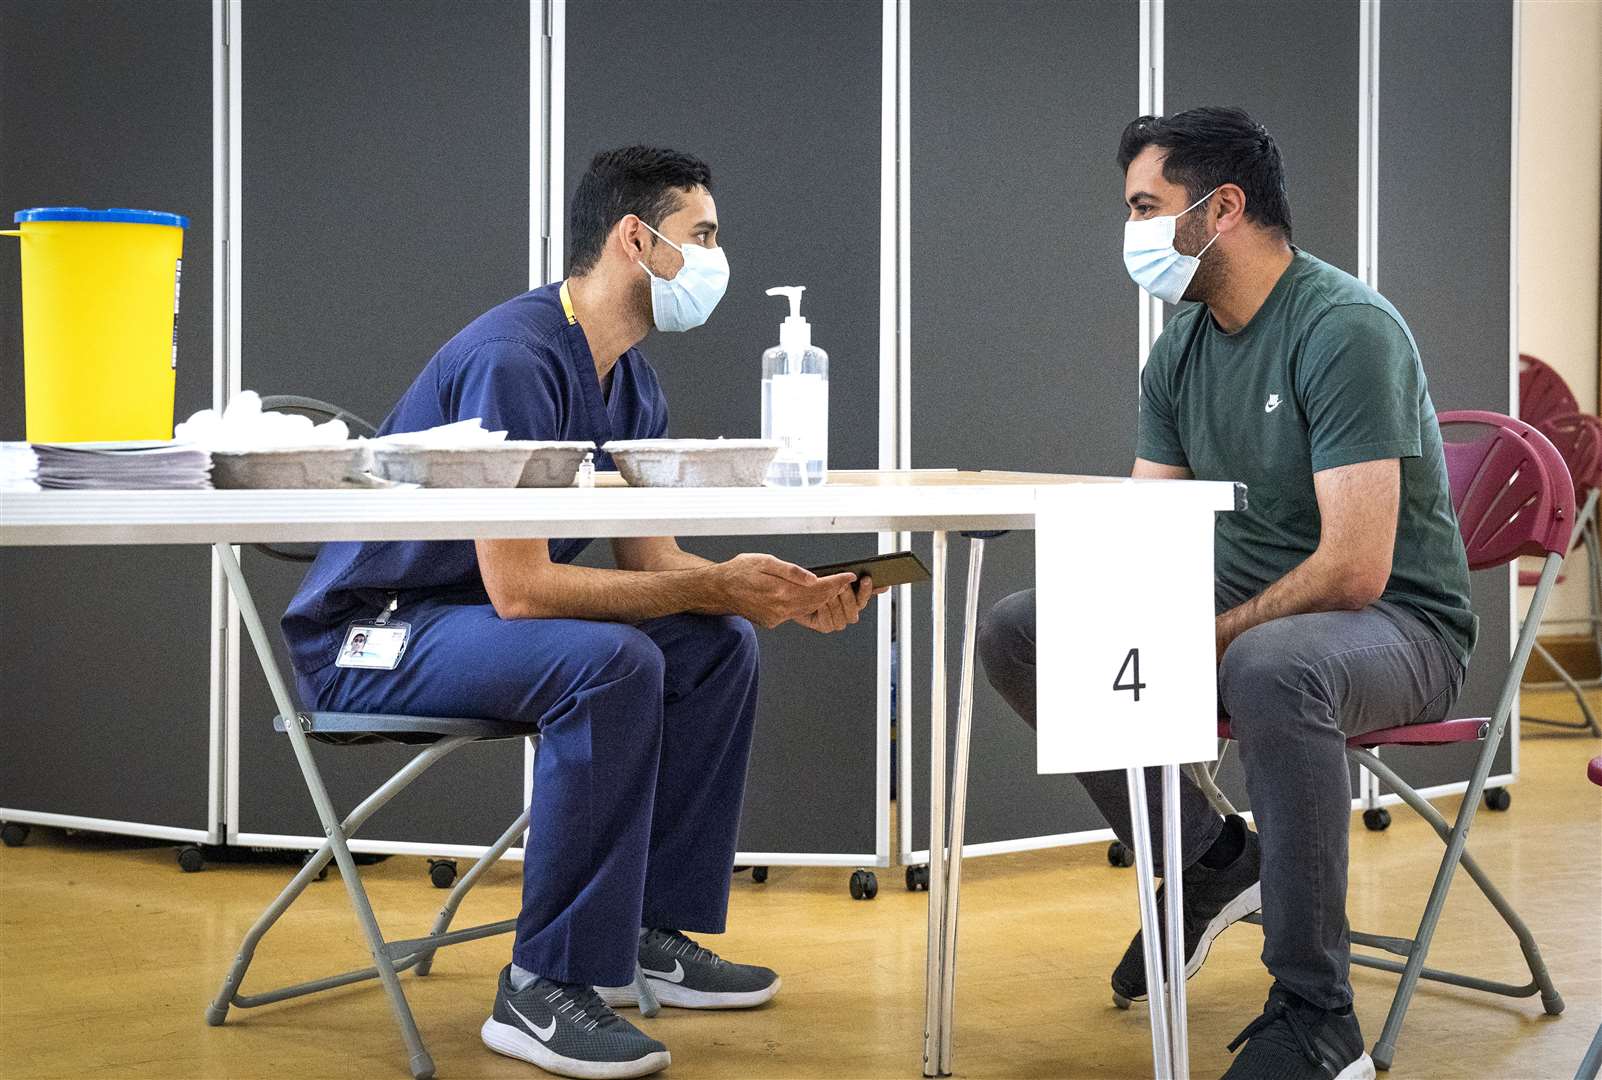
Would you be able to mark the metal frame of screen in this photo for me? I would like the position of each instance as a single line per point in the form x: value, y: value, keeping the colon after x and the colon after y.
x: 1150, y: 79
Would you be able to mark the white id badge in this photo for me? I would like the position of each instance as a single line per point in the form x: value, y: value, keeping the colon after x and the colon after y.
x: 374, y: 645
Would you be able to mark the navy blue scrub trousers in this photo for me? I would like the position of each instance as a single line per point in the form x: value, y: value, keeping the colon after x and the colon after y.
x: 645, y: 734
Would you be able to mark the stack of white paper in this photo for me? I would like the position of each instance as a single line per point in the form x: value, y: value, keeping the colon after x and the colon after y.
x: 18, y: 467
x: 123, y: 465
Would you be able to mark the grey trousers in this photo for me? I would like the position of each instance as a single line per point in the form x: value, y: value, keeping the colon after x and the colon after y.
x: 1294, y: 690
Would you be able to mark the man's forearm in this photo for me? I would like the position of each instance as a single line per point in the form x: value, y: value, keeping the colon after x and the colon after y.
x: 561, y: 591
x: 1318, y: 584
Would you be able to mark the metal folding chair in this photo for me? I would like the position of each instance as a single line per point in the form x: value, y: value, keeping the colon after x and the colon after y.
x: 1591, y: 1064
x: 438, y: 737
x: 1513, y: 497
x: 1578, y: 437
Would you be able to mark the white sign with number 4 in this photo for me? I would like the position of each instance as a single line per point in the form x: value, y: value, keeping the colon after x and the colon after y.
x: 1124, y: 639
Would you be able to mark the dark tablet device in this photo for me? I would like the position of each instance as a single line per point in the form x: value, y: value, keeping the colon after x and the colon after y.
x: 887, y: 571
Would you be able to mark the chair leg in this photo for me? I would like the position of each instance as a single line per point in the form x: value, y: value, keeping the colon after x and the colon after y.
x: 1455, y: 838
x: 1589, y: 722
x: 1592, y: 1062
x: 442, y: 921
x: 228, y: 995
x: 1205, y: 776
x: 422, y: 1065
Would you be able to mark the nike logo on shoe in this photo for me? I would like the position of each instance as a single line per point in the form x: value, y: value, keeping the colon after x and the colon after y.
x: 543, y: 1034
x: 674, y: 976
x: 1272, y: 403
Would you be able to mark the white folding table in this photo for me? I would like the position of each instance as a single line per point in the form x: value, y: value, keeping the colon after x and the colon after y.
x: 936, y: 502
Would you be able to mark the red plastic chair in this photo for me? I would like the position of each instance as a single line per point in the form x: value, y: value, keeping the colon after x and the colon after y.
x: 1513, y: 497
x: 1543, y: 393
x: 1578, y: 438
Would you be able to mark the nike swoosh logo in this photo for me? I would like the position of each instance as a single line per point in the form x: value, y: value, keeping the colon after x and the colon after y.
x: 1271, y: 406
x: 543, y: 1034
x: 674, y: 976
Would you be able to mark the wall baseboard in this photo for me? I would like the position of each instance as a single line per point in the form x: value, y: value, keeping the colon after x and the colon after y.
x: 1576, y: 652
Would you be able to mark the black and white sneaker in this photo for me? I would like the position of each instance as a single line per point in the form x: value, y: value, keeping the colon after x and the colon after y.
x: 685, y: 975
x: 1296, y: 1040
x: 567, y: 1030
x: 1214, y: 899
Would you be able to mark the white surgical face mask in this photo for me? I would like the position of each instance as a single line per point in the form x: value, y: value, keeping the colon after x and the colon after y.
x: 684, y: 301
x: 1151, y: 259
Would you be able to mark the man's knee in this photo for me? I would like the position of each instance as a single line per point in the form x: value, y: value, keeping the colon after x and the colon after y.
x: 1265, y: 674
x: 1006, y: 636
x: 616, y: 652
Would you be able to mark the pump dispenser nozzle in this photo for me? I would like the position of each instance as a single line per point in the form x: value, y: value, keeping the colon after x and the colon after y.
x: 795, y: 335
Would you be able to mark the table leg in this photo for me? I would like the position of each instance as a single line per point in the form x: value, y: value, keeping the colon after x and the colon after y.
x: 1146, y: 888
x: 934, y: 983
x: 1173, y: 889
x: 959, y: 799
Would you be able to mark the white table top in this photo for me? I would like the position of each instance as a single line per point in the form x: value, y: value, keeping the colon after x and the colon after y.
x: 852, y: 502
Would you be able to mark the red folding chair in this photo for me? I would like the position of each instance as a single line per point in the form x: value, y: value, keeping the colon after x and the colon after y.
x: 1578, y: 438
x: 1513, y: 497
x: 1543, y: 393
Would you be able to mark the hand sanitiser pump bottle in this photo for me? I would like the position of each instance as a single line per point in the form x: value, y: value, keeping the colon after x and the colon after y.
x: 795, y: 400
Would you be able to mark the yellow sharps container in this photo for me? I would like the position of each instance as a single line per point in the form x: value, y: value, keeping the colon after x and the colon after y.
x: 99, y: 322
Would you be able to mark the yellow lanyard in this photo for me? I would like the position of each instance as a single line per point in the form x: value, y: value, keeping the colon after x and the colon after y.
x: 567, y: 305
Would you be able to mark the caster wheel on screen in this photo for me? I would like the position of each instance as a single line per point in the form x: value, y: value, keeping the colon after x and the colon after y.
x: 442, y: 872
x: 864, y: 885
x: 1377, y: 819
x: 759, y: 874
x: 321, y: 874
x: 1120, y: 1001
x: 14, y: 833
x: 191, y: 860
x: 917, y: 878
x: 1498, y: 798
x: 1119, y: 854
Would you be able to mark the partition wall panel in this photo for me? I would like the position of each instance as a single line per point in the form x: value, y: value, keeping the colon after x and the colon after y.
x: 783, y: 103
x: 1444, y: 259
x: 1294, y: 68
x: 105, y: 653
x: 385, y: 204
x: 1024, y: 322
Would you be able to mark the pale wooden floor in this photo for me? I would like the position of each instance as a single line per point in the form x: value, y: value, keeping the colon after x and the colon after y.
x: 108, y: 955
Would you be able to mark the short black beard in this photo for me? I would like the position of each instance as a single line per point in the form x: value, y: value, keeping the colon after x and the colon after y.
x: 1189, y: 238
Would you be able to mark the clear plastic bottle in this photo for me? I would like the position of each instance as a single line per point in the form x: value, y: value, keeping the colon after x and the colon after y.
x: 795, y: 400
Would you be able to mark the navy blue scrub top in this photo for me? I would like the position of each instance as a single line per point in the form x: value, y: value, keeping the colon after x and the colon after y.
x: 524, y: 367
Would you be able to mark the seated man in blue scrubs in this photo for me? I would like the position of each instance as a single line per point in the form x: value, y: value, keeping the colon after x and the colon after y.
x: 643, y: 679
x: 1342, y: 591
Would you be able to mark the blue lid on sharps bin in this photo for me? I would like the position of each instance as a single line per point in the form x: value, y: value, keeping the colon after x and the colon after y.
x: 82, y: 213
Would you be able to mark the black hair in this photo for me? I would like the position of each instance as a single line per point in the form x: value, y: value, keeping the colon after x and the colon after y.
x: 642, y: 180
x: 1211, y: 146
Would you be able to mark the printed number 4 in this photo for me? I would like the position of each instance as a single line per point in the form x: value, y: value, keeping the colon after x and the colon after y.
x: 1131, y: 665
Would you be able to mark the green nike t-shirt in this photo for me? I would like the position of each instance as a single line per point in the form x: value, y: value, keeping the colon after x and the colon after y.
x: 1326, y: 374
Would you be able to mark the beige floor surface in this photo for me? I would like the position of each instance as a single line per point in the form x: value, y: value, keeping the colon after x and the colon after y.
x: 108, y: 955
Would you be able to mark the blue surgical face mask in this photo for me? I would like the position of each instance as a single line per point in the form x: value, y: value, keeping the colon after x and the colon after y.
x: 1151, y: 259
x: 684, y: 301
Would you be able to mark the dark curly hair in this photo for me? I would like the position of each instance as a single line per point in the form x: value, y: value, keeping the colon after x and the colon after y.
x: 1213, y: 145
x: 642, y: 180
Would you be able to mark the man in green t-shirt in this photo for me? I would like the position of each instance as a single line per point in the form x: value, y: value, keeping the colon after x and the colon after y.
x: 1342, y: 591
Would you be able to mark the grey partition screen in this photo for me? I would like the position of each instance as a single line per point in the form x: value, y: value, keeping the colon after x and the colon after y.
x: 385, y: 203
x: 105, y: 654
x: 1294, y: 67
x: 1446, y: 78
x: 782, y: 101
x: 1024, y: 324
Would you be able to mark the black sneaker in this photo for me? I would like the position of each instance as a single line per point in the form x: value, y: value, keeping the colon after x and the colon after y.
x: 1214, y: 899
x: 567, y: 1030
x: 1296, y: 1040
x: 683, y: 974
